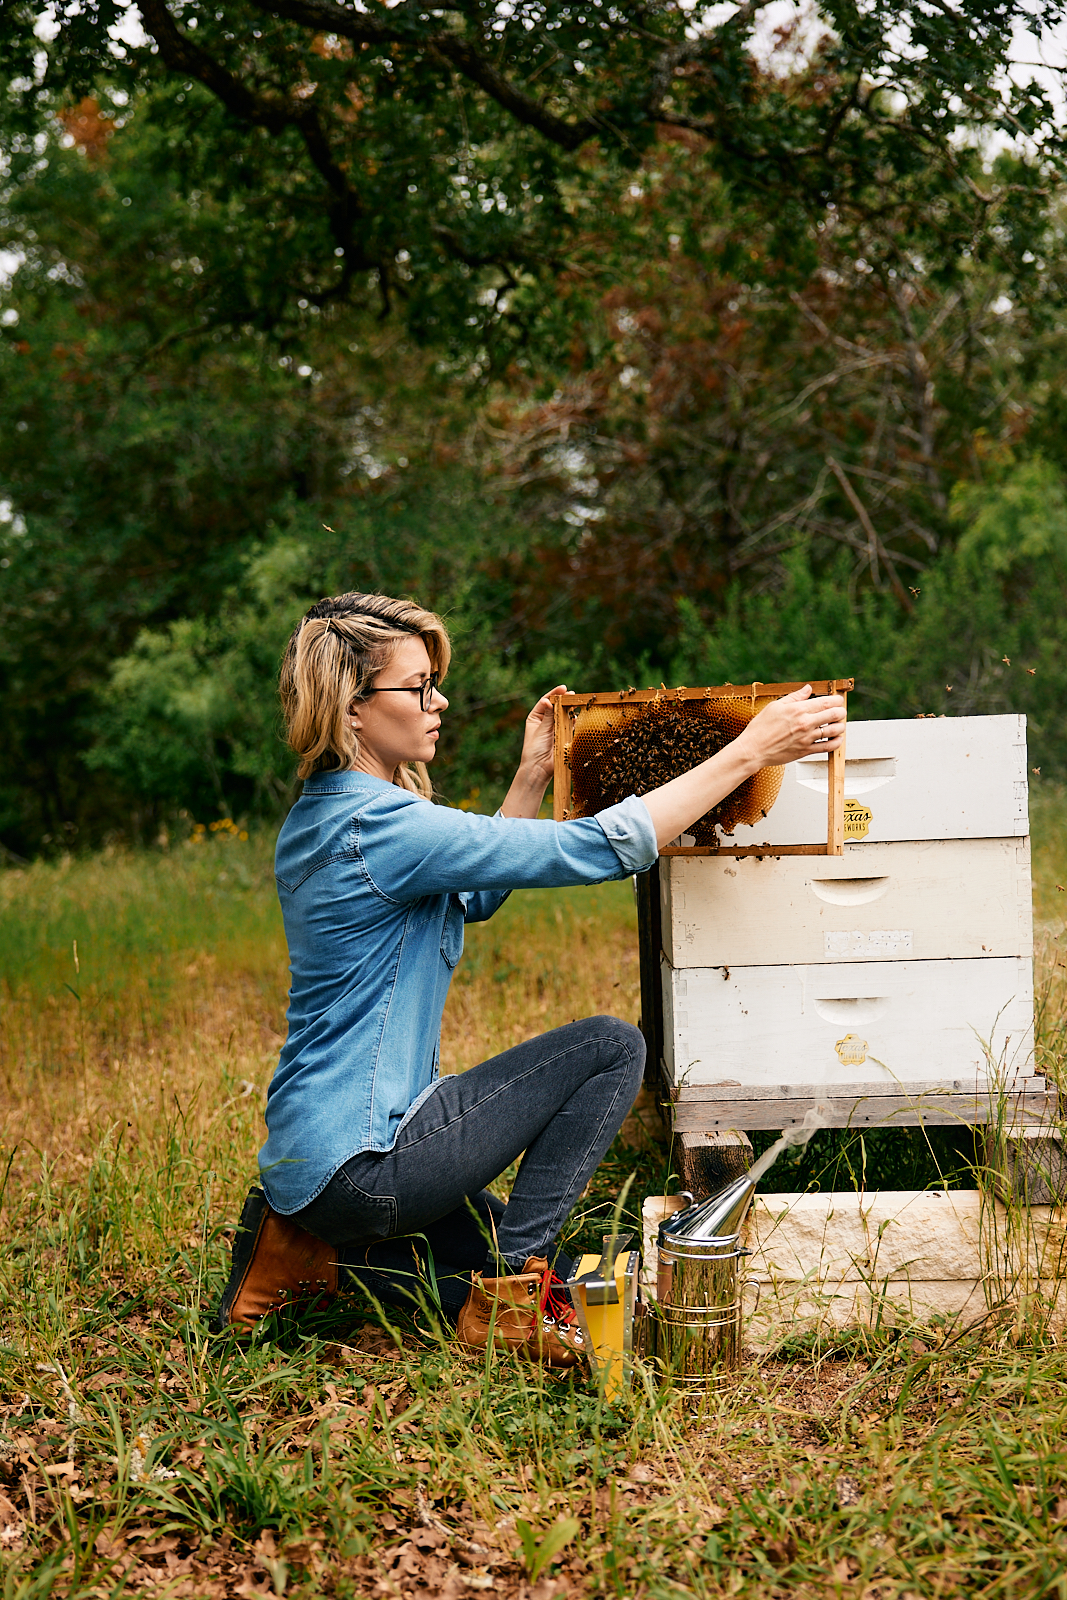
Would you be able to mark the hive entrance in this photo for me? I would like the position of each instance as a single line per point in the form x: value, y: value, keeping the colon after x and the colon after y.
x: 634, y: 748
x: 609, y: 746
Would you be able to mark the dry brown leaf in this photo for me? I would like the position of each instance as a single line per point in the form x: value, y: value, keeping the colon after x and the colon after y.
x: 371, y: 1341
x: 12, y: 1525
x: 306, y: 1553
x: 429, y: 1538
x: 780, y: 1552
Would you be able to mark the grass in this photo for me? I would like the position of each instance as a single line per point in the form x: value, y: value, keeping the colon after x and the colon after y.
x: 142, y: 1010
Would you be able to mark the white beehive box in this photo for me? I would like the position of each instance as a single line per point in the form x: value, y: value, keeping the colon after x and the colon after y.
x: 881, y: 1022
x: 923, y: 901
x: 904, y: 962
x: 927, y: 778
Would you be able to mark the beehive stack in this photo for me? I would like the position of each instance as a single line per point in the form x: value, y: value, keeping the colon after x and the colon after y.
x: 891, y: 984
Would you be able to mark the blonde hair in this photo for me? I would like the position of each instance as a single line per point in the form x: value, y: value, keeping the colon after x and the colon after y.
x: 332, y: 659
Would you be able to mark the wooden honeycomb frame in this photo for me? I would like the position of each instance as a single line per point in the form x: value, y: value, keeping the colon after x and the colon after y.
x: 568, y: 707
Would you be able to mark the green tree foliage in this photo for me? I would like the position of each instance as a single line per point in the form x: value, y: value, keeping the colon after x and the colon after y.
x: 552, y: 315
x: 133, y: 480
x: 988, y: 633
x: 141, y: 469
x: 190, y: 715
x: 448, y: 159
x: 718, y: 420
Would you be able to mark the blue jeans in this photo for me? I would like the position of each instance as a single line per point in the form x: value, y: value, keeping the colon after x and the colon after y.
x: 561, y: 1098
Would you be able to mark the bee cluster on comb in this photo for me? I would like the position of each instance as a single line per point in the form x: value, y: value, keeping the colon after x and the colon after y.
x: 636, y: 746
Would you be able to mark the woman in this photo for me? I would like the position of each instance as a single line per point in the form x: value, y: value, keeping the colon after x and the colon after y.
x: 368, y: 1147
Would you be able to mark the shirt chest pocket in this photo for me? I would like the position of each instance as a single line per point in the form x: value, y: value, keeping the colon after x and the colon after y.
x: 452, y: 932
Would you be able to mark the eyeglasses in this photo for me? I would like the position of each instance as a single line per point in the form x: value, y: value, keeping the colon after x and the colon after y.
x: 425, y: 690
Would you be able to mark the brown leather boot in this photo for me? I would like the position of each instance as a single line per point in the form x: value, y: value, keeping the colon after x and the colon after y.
x: 509, y: 1306
x: 275, y: 1264
x: 527, y: 1319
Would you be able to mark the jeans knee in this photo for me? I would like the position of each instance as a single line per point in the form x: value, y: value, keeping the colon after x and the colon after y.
x: 628, y: 1045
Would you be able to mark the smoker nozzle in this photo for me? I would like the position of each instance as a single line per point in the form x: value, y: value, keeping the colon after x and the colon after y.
x: 721, y: 1217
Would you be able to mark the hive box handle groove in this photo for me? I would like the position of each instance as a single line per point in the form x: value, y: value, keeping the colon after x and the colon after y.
x: 849, y: 891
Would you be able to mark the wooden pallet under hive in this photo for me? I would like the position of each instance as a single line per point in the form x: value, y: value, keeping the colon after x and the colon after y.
x: 610, y: 745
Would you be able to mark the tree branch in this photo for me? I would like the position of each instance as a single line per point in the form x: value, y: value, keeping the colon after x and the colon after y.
x: 181, y: 54
x: 266, y: 110
x: 326, y: 17
x: 687, y: 51
x: 875, y: 547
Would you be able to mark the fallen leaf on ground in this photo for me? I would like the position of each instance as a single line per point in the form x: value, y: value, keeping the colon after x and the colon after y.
x: 781, y: 1551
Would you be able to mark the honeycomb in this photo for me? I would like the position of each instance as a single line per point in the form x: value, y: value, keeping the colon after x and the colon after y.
x: 618, y: 750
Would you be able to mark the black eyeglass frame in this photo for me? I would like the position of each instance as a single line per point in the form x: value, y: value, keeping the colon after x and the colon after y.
x: 425, y: 690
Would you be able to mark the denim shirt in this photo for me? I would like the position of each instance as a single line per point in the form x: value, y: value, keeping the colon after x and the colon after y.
x: 375, y: 885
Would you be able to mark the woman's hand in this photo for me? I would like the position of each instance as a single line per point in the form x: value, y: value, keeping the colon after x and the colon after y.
x: 792, y: 727
x: 538, y: 759
x: 538, y: 740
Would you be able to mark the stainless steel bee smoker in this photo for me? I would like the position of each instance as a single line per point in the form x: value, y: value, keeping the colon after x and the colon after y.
x: 694, y: 1331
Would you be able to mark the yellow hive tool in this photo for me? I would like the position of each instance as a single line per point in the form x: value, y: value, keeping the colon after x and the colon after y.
x: 603, y: 1297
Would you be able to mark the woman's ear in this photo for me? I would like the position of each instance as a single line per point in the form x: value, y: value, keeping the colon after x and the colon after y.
x: 353, y: 716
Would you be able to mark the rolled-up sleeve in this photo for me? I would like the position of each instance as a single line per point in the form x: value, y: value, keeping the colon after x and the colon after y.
x: 483, y: 904
x: 631, y: 833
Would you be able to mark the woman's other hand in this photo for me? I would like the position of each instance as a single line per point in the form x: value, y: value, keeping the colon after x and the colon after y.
x: 538, y: 740
x: 537, y: 763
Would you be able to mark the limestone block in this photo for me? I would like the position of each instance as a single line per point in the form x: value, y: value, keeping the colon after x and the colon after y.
x: 791, y: 1309
x: 911, y: 1233
x: 1025, y: 1242
x: 783, y: 1307
x: 918, y: 1235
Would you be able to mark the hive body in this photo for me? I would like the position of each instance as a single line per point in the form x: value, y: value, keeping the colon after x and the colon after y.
x: 892, y: 984
x: 919, y: 779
